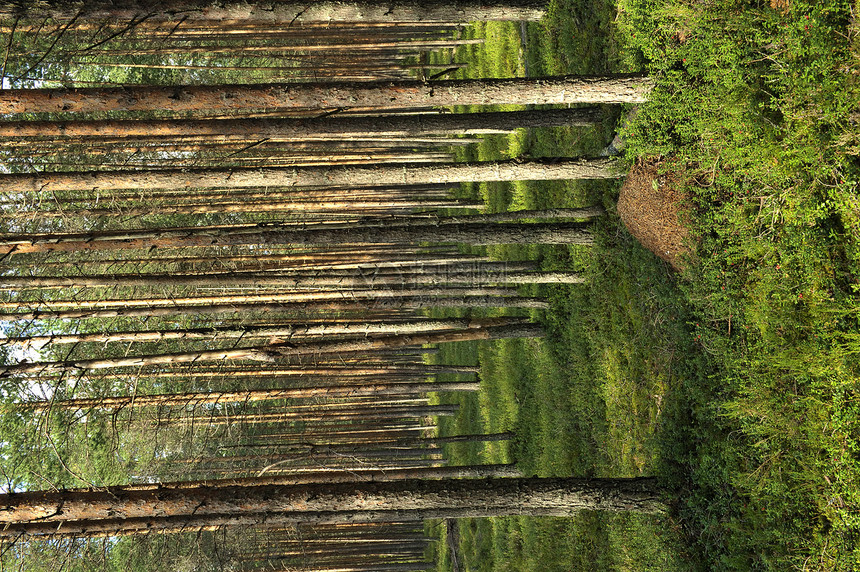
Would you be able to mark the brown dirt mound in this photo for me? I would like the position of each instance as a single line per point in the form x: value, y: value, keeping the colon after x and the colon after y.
x: 650, y: 205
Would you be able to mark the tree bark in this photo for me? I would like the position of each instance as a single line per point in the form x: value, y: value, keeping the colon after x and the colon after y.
x: 248, y: 396
x: 312, y: 176
x: 358, y: 46
x: 498, y: 471
x: 365, y: 257
x: 365, y: 550
x: 288, y: 330
x: 318, y: 280
x: 44, y: 512
x: 387, y: 300
x: 342, y: 372
x: 338, y: 416
x: 476, y: 234
x: 314, y: 206
x: 272, y: 352
x: 307, y: 442
x: 329, y: 299
x: 286, y: 129
x: 363, y: 568
x: 281, y: 12
x: 340, y: 95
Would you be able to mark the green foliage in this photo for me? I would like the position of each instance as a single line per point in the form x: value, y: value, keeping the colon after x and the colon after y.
x: 754, y: 105
x: 183, y: 552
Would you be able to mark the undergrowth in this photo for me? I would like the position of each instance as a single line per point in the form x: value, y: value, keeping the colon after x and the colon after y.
x: 756, y: 108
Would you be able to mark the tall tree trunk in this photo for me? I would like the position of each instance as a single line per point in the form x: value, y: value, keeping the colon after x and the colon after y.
x: 390, y: 300
x: 253, y: 395
x: 294, y: 280
x: 476, y: 234
x: 377, y: 567
x: 363, y: 475
x: 312, y: 176
x: 129, y: 306
x: 365, y: 257
x: 340, y: 372
x: 314, y: 206
x: 353, y: 414
x: 337, y: 549
x: 342, y: 95
x: 288, y: 330
x: 286, y: 129
x: 279, y: 12
x: 331, y: 441
x: 45, y: 512
x: 272, y: 352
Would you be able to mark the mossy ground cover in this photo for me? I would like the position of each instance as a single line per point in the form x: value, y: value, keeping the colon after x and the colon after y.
x: 734, y: 382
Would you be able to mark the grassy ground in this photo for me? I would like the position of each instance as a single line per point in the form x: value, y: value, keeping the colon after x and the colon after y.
x: 586, y: 400
x: 735, y: 382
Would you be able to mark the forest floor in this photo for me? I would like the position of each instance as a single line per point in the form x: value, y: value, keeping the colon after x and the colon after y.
x: 651, y: 205
x: 734, y: 380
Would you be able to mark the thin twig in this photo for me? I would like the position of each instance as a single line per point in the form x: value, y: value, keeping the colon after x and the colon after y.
x: 130, y: 25
x: 51, y: 47
x: 8, y: 49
